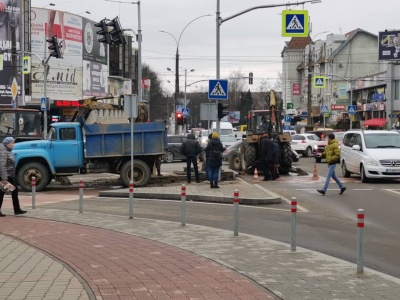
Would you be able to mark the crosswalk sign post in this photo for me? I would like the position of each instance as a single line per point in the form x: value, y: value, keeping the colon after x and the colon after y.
x: 295, y: 23
x: 44, y: 104
x: 351, y: 110
x: 319, y: 82
x: 324, y: 109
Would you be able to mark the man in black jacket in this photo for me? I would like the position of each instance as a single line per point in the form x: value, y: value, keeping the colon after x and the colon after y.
x: 191, y: 148
x: 266, y: 155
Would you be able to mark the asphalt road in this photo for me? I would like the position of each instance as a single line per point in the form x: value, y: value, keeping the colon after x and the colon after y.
x: 325, y: 223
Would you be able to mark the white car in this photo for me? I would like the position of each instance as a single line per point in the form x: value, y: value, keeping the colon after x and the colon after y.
x: 371, y: 153
x: 304, y: 143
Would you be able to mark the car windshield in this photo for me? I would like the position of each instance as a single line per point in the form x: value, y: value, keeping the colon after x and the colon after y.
x: 382, y: 140
x: 227, y: 138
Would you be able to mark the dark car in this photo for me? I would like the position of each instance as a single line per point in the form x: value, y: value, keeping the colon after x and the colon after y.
x: 232, y: 156
x: 173, y: 148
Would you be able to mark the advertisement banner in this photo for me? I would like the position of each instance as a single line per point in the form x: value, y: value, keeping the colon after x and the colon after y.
x: 64, y: 74
x: 389, y: 45
x: 296, y: 89
x: 95, y: 69
x: 10, y: 11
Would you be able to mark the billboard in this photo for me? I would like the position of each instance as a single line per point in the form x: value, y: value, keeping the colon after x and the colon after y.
x: 389, y: 45
x: 64, y: 75
x: 10, y: 11
x: 95, y: 69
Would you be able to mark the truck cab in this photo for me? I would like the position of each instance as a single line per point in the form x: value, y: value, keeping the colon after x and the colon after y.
x: 21, y: 124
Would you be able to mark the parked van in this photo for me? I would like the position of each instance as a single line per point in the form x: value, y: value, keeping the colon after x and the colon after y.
x: 227, y: 135
x: 371, y: 153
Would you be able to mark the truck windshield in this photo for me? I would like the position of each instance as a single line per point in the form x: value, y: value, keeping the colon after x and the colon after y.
x: 19, y: 123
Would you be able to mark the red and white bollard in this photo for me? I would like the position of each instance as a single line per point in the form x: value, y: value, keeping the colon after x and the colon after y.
x: 33, y: 183
x: 236, y: 212
x: 130, y: 199
x: 81, y: 187
x: 183, y: 205
x: 360, y: 241
x: 293, y: 210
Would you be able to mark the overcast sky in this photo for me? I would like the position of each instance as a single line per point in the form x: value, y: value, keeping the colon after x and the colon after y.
x: 250, y: 42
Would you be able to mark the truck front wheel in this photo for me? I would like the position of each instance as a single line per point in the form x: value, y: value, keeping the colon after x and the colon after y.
x: 141, y: 173
x: 30, y: 170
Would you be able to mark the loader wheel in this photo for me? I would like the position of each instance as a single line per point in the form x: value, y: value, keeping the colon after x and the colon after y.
x: 250, y: 158
x: 141, y: 173
x: 286, y: 159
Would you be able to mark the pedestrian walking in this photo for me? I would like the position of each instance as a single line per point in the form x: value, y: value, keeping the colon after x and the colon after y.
x: 332, y: 156
x: 214, y: 151
x: 266, y: 156
x: 191, y: 148
x: 7, y: 173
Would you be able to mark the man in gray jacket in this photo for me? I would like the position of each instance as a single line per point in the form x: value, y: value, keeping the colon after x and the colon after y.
x: 191, y: 148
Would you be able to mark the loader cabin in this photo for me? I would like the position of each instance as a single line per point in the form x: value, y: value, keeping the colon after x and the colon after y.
x: 21, y: 124
x: 258, y: 122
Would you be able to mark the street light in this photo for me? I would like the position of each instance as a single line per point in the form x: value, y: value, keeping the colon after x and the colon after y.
x: 177, y: 41
x: 185, y: 104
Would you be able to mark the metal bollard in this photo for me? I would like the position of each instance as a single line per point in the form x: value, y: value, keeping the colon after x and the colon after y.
x: 183, y: 205
x: 33, y: 182
x: 293, y: 210
x: 236, y: 212
x: 81, y: 186
x: 360, y: 241
x: 130, y: 199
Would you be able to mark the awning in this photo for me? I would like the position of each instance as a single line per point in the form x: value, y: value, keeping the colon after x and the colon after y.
x: 378, y: 122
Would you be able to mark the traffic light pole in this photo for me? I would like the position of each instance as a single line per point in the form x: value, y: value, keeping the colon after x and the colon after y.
x: 45, y: 65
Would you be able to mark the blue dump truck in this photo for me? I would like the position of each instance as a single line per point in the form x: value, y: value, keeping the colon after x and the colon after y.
x: 72, y: 148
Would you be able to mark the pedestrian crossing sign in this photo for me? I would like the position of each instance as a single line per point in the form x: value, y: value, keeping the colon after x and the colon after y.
x: 26, y: 65
x: 295, y: 23
x: 319, y: 82
x: 351, y: 109
x: 218, y: 89
x: 324, y: 109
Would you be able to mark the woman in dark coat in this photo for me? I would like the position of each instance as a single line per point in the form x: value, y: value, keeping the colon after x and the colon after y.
x: 7, y: 173
x: 214, y: 151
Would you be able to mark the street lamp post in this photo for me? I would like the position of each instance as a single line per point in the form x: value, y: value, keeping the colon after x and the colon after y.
x: 220, y: 20
x: 185, y: 101
x: 177, y: 41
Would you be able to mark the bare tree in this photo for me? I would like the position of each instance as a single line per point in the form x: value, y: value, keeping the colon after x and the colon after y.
x: 237, y: 84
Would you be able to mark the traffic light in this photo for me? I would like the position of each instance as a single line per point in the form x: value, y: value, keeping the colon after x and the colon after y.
x: 103, y: 34
x: 179, y: 118
x: 221, y: 112
x: 251, y: 78
x: 55, y: 46
x: 110, y: 32
x: 117, y: 36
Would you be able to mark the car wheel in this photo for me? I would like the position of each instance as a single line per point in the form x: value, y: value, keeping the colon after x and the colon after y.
x: 308, y: 152
x: 364, y: 178
x: 234, y: 162
x: 345, y: 172
x: 169, y: 157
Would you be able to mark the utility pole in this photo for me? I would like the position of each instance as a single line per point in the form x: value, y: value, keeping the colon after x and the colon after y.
x: 13, y: 25
x: 309, y: 87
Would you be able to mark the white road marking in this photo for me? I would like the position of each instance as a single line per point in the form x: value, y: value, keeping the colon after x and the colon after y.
x: 396, y: 191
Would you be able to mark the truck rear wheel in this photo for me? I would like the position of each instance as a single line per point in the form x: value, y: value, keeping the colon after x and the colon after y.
x: 30, y: 170
x: 141, y: 173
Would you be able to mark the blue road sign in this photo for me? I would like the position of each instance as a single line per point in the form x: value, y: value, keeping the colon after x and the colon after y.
x: 43, y: 104
x: 288, y: 118
x: 185, y: 112
x: 218, y: 89
x: 351, y: 109
x: 295, y: 23
x: 324, y: 109
x: 179, y: 108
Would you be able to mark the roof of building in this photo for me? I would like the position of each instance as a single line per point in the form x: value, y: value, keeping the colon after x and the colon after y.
x: 299, y: 42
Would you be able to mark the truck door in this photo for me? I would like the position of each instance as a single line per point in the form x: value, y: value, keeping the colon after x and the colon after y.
x: 67, y: 151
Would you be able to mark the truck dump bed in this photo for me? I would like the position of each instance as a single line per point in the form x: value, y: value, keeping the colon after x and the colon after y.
x: 108, y: 140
